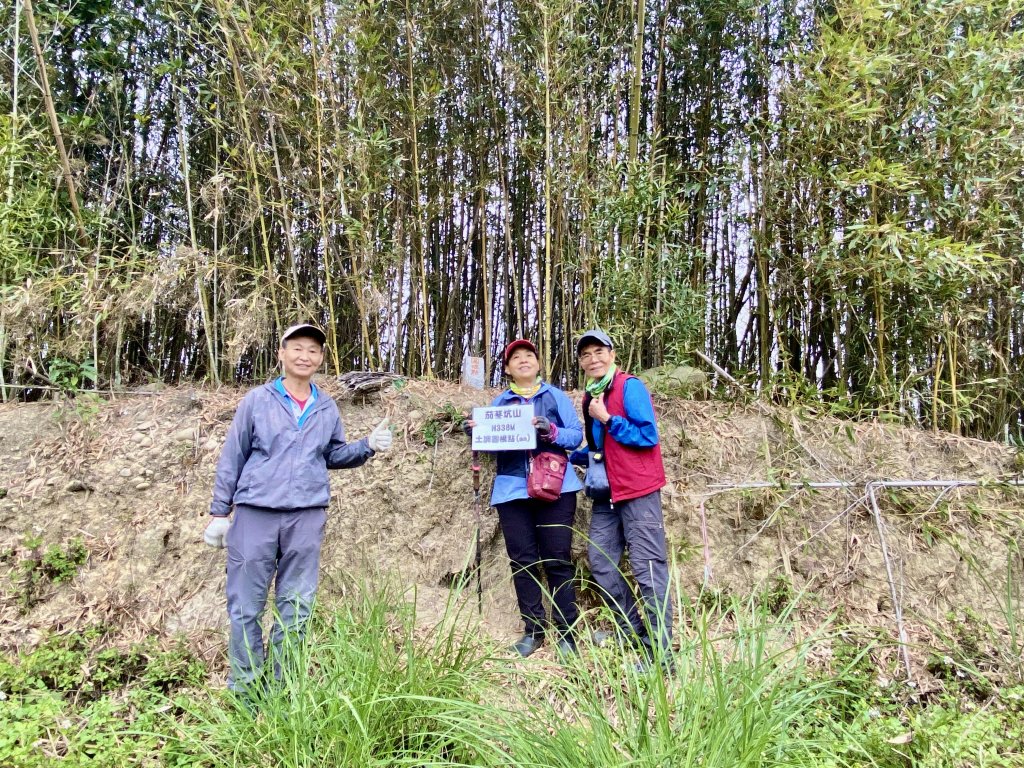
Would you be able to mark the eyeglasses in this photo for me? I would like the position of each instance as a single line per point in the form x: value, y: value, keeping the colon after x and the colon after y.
x: 594, y: 354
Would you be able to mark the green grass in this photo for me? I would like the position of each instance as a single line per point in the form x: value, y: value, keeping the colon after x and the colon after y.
x: 361, y: 689
x: 372, y: 693
x: 367, y: 687
x: 739, y: 684
x: 41, y: 569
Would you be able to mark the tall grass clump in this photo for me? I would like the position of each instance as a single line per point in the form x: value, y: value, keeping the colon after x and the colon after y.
x: 363, y: 688
x: 737, y: 693
x: 366, y: 689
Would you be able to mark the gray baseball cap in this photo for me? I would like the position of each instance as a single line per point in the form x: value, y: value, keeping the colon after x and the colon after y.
x: 594, y: 336
x: 304, y: 329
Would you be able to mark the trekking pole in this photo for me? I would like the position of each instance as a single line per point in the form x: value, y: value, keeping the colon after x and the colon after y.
x: 476, y: 510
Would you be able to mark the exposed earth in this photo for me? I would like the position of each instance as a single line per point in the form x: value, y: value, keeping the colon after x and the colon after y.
x: 130, y: 476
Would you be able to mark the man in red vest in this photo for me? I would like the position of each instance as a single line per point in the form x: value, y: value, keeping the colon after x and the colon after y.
x: 620, y: 427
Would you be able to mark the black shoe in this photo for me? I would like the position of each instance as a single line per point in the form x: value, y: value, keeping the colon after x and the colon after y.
x: 527, y: 644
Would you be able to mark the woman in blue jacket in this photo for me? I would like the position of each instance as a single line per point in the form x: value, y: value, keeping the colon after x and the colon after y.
x: 538, y: 532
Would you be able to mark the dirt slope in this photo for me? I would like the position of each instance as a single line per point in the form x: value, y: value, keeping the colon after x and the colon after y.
x: 131, y: 478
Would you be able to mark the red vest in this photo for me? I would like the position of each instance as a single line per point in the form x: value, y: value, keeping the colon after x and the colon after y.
x: 632, y: 472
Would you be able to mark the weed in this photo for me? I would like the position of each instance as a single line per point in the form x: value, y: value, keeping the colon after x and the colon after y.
x: 61, y: 564
x: 78, y: 412
x: 93, y: 703
x: 777, y: 595
x: 368, y: 686
x: 1006, y: 651
x: 70, y: 375
x: 971, y: 651
x: 87, y: 406
x: 713, y: 600
x: 357, y: 690
x: 441, y: 423
x: 855, y: 675
x: 56, y: 565
x: 84, y: 664
x: 684, y: 550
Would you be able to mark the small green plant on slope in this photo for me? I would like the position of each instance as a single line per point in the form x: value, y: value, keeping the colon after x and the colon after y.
x: 41, y: 569
x: 441, y: 423
x: 69, y: 375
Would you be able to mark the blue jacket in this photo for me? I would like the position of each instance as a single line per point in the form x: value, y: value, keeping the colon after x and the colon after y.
x: 275, y: 461
x: 510, y: 480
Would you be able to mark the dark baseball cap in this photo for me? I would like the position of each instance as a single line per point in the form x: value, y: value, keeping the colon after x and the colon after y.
x: 595, y: 336
x: 518, y: 344
x: 304, y: 329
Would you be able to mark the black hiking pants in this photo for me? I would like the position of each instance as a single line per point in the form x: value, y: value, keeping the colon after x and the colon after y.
x: 539, y: 533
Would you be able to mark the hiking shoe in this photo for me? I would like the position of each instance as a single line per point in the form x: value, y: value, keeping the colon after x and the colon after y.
x: 603, y: 638
x: 606, y: 637
x: 566, y: 648
x: 643, y: 666
x: 527, y: 645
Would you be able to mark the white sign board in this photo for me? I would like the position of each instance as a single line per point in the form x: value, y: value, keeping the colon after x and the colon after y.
x: 473, y: 372
x: 508, y: 428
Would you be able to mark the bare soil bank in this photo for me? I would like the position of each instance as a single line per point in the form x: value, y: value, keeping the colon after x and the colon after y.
x: 131, y: 478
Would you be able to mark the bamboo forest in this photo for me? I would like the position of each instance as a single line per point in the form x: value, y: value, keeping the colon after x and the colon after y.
x: 824, y: 198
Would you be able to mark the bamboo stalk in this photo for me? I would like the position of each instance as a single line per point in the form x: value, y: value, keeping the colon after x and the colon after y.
x: 16, y: 71
x: 217, y: 204
x: 516, y: 293
x: 416, y: 236
x: 360, y: 255
x: 954, y: 410
x: 485, y: 275
x: 51, y: 112
x: 636, y: 90
x: 200, y: 288
x: 546, y: 320
x: 939, y: 359
x: 289, y: 240
x: 481, y: 216
x: 250, y: 155
x: 332, y: 324
x: 16, y: 66
x: 3, y: 356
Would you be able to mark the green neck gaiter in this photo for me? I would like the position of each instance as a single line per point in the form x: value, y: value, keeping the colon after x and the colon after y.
x: 595, y: 388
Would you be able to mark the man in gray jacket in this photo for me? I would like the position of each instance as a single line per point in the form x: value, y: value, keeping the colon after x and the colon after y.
x: 272, y: 470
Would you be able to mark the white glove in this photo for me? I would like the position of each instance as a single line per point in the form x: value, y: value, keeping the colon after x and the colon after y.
x: 217, y: 532
x: 380, y: 439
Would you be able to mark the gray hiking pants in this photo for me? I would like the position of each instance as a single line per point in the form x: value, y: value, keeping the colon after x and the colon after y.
x: 262, y: 543
x: 638, y: 524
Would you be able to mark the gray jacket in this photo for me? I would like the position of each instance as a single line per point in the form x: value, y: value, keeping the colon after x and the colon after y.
x: 269, y: 461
